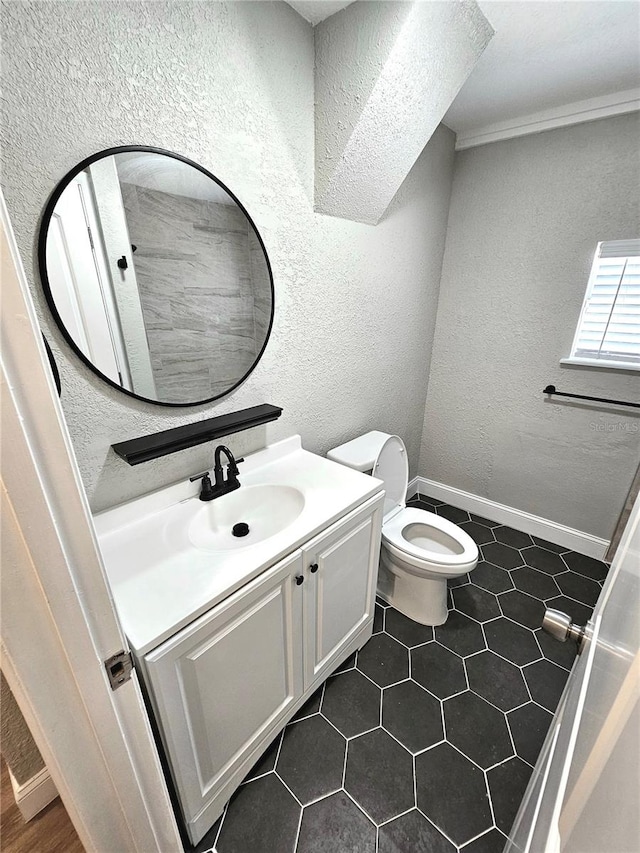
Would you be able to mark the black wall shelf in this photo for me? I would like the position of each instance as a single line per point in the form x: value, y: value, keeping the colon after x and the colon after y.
x: 148, y: 447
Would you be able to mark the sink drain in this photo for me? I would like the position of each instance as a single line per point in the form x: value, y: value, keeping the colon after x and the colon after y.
x: 240, y: 529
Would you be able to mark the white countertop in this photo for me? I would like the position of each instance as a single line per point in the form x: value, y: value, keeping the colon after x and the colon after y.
x: 161, y: 582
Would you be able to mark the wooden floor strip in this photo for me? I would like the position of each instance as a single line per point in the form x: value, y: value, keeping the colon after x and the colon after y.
x: 50, y: 831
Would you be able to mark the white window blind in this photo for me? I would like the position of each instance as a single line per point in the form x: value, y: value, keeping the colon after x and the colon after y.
x: 609, y: 326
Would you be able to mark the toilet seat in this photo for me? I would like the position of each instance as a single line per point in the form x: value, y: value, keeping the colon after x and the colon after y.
x: 420, y: 557
x: 457, y: 549
x: 420, y: 550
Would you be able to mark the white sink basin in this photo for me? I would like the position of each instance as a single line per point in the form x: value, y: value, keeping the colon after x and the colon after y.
x: 170, y: 557
x: 267, y: 509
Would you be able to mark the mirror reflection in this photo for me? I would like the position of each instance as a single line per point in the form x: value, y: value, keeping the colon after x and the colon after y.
x: 157, y: 276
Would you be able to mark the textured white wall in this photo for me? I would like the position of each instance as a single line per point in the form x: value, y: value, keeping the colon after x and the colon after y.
x: 351, y: 49
x: 525, y: 218
x: 386, y: 73
x: 229, y: 85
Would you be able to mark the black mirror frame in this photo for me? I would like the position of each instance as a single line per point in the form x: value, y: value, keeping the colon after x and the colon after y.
x: 44, y: 278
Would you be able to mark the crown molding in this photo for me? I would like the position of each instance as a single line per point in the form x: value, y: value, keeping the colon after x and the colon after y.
x: 575, y: 113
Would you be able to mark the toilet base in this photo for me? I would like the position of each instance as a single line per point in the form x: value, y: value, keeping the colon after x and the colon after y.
x: 420, y: 598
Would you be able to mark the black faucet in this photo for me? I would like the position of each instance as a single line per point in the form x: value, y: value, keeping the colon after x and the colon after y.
x: 221, y: 486
x: 231, y: 482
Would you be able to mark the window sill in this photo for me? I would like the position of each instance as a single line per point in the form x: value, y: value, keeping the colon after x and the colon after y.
x: 600, y: 364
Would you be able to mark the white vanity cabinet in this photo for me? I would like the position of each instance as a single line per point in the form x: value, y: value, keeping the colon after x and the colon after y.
x: 225, y: 685
x: 339, y: 597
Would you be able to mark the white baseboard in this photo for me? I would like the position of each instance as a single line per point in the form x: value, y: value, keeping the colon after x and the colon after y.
x: 34, y: 794
x: 567, y: 537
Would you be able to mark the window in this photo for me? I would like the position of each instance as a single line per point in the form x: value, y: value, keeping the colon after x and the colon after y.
x: 608, y: 333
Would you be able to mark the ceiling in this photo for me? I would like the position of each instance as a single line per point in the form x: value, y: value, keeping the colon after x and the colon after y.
x: 315, y: 11
x: 546, y: 55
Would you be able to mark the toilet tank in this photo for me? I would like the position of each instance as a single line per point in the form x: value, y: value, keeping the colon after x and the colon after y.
x: 360, y: 453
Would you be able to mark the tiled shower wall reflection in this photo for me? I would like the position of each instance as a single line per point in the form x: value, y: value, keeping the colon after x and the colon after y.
x: 204, y: 289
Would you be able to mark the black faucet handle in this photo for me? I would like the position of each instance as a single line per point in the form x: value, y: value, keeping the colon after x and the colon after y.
x: 207, y: 491
x: 233, y: 466
x: 199, y: 476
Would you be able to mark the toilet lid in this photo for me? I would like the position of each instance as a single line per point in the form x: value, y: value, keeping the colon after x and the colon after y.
x: 392, y: 467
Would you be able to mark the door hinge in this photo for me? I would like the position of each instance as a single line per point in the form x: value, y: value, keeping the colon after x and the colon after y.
x: 119, y: 668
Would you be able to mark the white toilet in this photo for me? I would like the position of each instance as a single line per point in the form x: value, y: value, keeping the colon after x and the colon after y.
x: 420, y: 550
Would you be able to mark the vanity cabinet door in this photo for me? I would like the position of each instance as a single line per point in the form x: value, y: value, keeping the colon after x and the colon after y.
x: 223, y: 686
x: 341, y: 570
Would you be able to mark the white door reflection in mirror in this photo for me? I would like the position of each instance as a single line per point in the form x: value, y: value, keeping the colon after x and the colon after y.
x: 78, y: 279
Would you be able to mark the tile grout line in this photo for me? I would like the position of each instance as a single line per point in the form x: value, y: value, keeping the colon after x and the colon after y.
x: 440, y: 829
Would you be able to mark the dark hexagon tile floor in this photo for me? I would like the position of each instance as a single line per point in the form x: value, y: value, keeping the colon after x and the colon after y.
x: 426, y: 739
x: 579, y: 588
x: 507, y: 784
x: 514, y: 642
x: 496, y: 680
x: 408, y: 632
x: 379, y: 775
x: 438, y: 670
x: 384, y: 660
x: 478, y: 532
x: 522, y: 607
x: 412, y: 831
x: 477, y: 729
x: 475, y: 602
x: 336, y: 823
x: 514, y: 538
x: 546, y: 561
x: 502, y: 555
x: 311, y: 759
x: 529, y: 725
x: 490, y: 577
x: 352, y: 703
x: 536, y: 583
x: 412, y: 716
x: 452, y: 790
x: 461, y: 634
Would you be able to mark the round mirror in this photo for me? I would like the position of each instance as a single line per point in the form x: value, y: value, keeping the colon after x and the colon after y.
x: 156, y: 275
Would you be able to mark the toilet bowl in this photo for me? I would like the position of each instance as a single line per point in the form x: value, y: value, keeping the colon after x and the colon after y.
x: 420, y: 550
